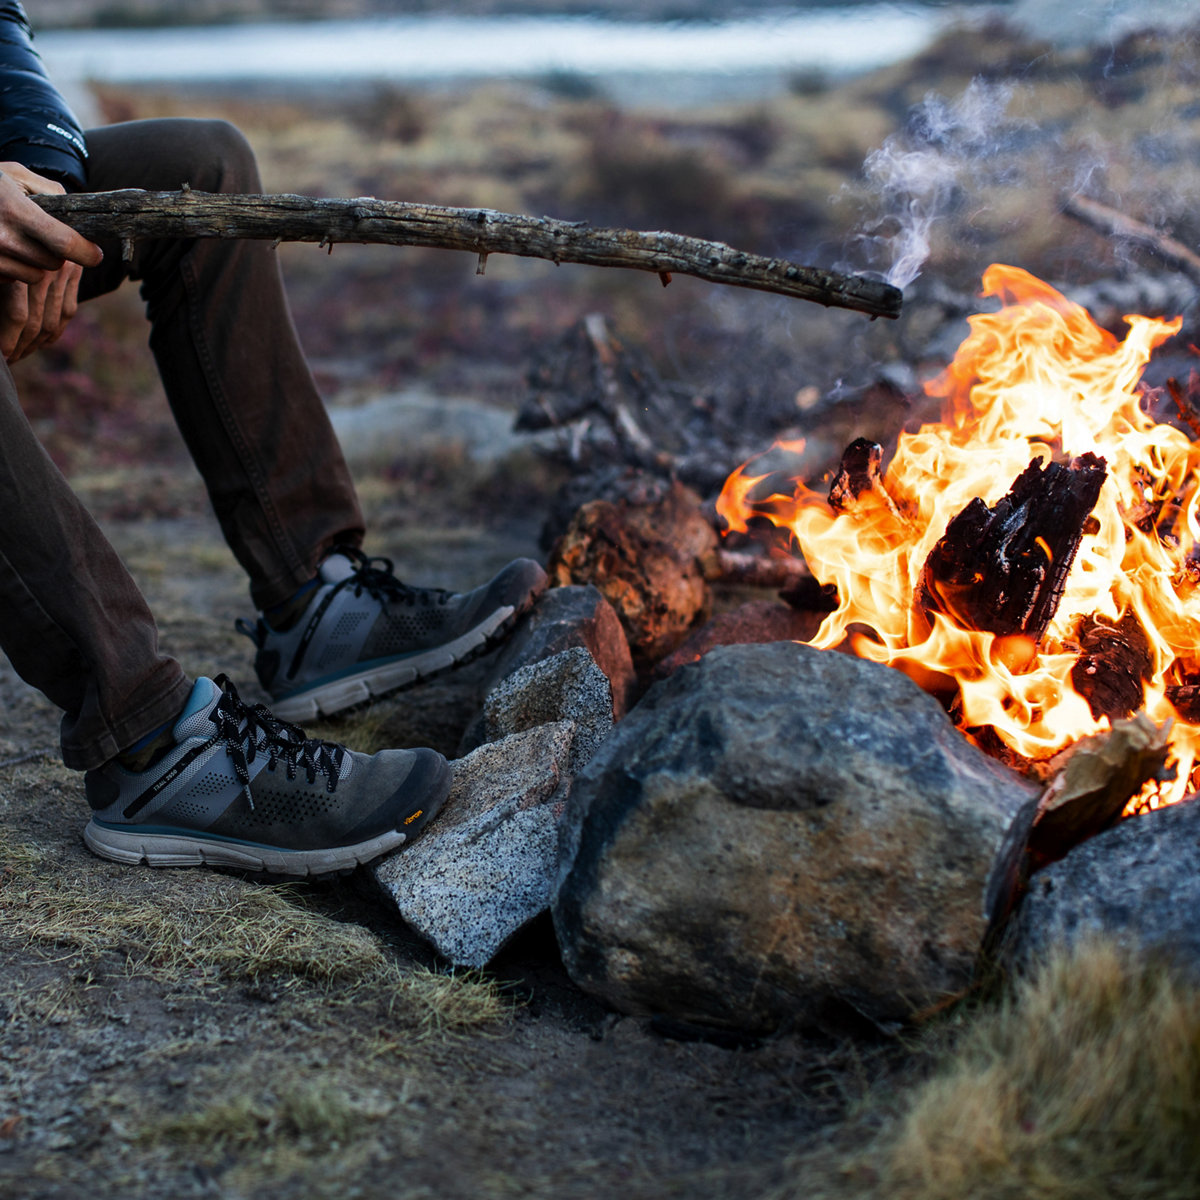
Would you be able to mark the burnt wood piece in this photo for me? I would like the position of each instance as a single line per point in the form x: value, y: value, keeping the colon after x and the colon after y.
x: 859, y: 471
x: 736, y: 567
x: 133, y: 214
x: 1187, y: 401
x: 1114, y: 665
x: 1003, y: 569
x: 1185, y: 699
x: 1095, y: 781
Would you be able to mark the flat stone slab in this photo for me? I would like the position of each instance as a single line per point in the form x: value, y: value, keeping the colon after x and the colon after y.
x: 488, y: 864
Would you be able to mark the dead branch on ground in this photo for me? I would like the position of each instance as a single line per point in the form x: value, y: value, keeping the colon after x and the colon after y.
x: 1111, y: 223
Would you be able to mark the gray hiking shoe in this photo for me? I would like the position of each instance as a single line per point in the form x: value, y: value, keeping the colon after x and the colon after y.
x: 365, y: 634
x: 241, y: 788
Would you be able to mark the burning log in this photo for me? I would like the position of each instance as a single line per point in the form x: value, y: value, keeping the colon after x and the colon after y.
x: 1185, y: 699
x: 1114, y: 665
x: 133, y: 214
x: 1004, y: 569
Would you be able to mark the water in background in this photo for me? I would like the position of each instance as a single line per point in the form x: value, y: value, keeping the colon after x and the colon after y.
x: 721, y: 58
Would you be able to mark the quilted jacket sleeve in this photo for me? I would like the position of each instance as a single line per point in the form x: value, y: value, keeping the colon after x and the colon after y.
x: 37, y: 129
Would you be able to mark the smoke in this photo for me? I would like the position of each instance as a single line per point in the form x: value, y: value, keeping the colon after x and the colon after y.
x: 917, y: 177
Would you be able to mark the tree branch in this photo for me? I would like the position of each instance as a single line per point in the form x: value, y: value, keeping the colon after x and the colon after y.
x: 1111, y: 223
x: 134, y: 215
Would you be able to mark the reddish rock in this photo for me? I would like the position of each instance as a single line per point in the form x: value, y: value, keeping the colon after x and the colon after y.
x: 756, y: 621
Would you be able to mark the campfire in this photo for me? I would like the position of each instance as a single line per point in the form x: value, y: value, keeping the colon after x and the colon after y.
x: 1033, y: 557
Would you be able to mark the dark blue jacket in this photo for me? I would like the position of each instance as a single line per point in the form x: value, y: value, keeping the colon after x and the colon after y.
x: 37, y: 129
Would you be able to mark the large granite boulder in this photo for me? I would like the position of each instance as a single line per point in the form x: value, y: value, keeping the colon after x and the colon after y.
x: 1137, y: 884
x: 488, y: 863
x: 776, y: 830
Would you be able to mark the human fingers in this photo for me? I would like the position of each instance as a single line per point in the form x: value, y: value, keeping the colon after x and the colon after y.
x: 62, y: 303
x: 35, y: 310
x: 14, y: 310
x: 32, y: 240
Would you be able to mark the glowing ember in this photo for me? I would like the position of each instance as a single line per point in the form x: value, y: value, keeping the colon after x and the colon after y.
x: 1036, y: 380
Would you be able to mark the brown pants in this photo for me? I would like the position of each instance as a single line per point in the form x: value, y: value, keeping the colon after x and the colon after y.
x: 72, y: 621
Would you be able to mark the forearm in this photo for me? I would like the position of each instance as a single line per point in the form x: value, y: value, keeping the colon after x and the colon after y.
x: 37, y: 128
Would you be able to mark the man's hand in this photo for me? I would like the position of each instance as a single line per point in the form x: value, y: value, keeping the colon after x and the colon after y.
x: 41, y: 262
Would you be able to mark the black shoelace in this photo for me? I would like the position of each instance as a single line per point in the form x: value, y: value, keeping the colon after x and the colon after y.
x: 376, y: 576
x: 252, y: 729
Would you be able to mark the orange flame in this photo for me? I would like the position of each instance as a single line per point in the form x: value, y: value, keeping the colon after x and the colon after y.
x: 1037, y: 379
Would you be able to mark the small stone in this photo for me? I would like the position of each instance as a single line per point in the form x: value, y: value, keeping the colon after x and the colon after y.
x: 754, y: 622
x: 488, y: 864
x: 565, y: 617
x: 568, y: 687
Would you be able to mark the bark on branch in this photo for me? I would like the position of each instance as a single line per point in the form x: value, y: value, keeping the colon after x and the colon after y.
x: 135, y: 214
x: 1111, y: 223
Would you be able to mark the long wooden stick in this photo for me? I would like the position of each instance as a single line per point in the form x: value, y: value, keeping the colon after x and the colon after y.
x: 135, y: 214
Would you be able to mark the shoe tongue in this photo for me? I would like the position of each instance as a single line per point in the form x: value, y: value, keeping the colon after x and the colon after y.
x: 194, y: 718
x: 335, y: 568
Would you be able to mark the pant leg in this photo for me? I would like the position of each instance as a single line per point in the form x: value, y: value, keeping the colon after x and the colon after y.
x: 229, y: 358
x: 72, y: 621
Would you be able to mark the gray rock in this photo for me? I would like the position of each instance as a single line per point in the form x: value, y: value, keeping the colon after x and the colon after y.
x: 565, y: 617
x: 487, y: 865
x: 562, y: 619
x: 1137, y: 884
x: 776, y: 830
x: 568, y: 687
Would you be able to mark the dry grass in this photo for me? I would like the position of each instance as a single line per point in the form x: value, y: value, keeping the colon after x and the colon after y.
x: 1083, y: 1084
x: 200, y: 928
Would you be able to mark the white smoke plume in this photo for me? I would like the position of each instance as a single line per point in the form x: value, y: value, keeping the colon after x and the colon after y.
x: 917, y: 175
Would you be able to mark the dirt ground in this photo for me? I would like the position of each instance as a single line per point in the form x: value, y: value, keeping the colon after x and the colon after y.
x: 194, y: 1033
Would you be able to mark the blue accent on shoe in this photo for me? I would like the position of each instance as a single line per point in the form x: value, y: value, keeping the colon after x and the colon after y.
x: 156, y: 732
x: 204, y: 692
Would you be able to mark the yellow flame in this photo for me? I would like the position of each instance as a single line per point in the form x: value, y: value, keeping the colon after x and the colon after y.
x: 1036, y: 379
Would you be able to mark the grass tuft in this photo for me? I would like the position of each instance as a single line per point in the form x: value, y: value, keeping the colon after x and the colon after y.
x: 1083, y: 1085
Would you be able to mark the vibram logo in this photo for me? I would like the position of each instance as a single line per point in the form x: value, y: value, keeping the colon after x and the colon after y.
x: 410, y: 820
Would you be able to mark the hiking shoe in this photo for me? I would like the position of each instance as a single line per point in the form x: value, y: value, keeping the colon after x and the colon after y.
x: 365, y: 634
x: 241, y: 788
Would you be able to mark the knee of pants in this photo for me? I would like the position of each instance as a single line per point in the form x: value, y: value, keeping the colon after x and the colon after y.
x: 224, y: 161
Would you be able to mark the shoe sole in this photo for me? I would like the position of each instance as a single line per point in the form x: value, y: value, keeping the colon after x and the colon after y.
x: 134, y: 847
x: 386, y: 678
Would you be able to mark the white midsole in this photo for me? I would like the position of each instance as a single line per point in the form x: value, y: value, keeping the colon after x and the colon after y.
x: 330, y: 698
x: 133, y: 846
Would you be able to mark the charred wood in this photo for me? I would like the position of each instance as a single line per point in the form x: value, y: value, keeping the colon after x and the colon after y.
x: 859, y: 474
x: 1114, y: 665
x: 1185, y: 699
x: 1004, y: 569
